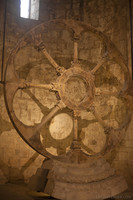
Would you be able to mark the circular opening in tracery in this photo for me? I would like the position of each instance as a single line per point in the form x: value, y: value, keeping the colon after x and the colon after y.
x: 61, y: 126
x: 75, y: 89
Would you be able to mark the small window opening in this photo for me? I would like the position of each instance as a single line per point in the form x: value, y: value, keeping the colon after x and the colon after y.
x: 29, y: 9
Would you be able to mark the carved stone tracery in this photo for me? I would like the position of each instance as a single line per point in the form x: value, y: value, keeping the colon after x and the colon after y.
x: 76, y: 90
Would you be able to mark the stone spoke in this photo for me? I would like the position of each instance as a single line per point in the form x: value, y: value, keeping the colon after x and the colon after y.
x: 52, y: 61
x: 75, y: 144
x: 75, y: 131
x: 88, y: 149
x: 75, y: 51
x: 98, y: 65
x: 98, y: 117
x: 44, y: 120
x: 42, y: 48
x: 24, y: 84
x: 99, y: 91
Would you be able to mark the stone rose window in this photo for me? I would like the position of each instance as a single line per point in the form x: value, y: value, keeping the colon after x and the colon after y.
x: 29, y: 9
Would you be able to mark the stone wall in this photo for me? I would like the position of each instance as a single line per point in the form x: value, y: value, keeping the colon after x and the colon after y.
x: 17, y: 160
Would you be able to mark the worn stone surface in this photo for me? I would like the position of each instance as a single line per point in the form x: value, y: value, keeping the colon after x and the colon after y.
x: 94, y: 180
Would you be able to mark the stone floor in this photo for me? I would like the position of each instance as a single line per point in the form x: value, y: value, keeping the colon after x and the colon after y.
x: 21, y: 192
x: 13, y: 192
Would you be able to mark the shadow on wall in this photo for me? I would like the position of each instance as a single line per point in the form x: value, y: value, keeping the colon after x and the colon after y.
x: 13, y: 174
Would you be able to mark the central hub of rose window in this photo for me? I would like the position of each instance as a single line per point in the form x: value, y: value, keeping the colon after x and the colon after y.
x: 76, y: 88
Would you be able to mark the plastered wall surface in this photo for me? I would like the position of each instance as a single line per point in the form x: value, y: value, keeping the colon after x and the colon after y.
x: 17, y: 160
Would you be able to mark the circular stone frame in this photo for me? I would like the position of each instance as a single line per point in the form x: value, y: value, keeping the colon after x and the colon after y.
x: 30, y: 134
x: 88, y: 79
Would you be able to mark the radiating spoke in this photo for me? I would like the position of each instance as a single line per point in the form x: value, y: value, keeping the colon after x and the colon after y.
x: 97, y: 116
x: 75, y: 131
x: 75, y: 62
x: 52, y: 61
x: 98, y: 65
x: 99, y: 91
x: 107, y: 129
x: 75, y: 144
x: 75, y: 51
x: 43, y: 108
x: 42, y: 48
x: 59, y: 106
x: 24, y: 84
x: 88, y: 149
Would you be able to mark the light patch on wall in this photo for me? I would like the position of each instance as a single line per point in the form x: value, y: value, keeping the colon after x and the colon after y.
x: 61, y: 126
x: 29, y: 9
